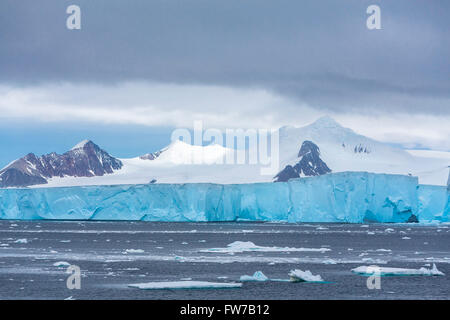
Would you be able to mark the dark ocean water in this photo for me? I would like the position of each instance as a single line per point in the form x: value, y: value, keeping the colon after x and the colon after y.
x: 172, y: 252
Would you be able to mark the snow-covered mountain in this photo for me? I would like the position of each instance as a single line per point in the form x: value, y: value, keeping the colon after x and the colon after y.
x: 86, y: 159
x: 344, y: 150
x: 332, y: 146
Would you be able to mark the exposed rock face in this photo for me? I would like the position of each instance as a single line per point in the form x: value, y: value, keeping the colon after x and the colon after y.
x: 86, y: 159
x: 310, y: 164
x: 150, y: 156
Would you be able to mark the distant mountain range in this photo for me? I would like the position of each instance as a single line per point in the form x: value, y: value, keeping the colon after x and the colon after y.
x: 319, y: 148
x: 86, y: 159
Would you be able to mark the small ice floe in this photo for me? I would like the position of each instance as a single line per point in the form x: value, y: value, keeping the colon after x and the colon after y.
x: 385, y: 271
x: 185, y: 285
x: 134, y: 251
x: 70, y: 298
x: 389, y: 230
x: 257, y: 276
x: 406, y: 238
x: 383, y: 250
x: 61, y: 264
x: 373, y: 261
x: 21, y: 241
x: 184, y: 242
x: 321, y: 228
x: 329, y: 261
x: 298, y: 275
x: 248, y: 246
x: 186, y: 279
x: 363, y: 254
x: 65, y: 241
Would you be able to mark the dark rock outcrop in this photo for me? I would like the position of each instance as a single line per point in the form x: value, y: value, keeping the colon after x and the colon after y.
x: 309, y: 164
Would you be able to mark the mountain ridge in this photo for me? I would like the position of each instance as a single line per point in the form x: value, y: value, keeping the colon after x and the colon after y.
x: 339, y: 149
x: 85, y: 159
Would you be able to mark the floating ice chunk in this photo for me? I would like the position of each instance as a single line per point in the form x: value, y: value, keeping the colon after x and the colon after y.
x: 257, y: 276
x: 21, y: 241
x: 298, y: 275
x: 185, y: 285
x: 384, y: 250
x: 406, y: 238
x: 389, y: 230
x: 61, y: 264
x: 248, y: 246
x: 134, y: 251
x: 329, y: 261
x: 385, y: 271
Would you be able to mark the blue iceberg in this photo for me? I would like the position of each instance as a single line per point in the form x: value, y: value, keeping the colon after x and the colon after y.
x: 353, y: 197
x: 432, y: 203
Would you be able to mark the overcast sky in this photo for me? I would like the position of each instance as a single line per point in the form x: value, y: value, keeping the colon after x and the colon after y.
x: 156, y: 64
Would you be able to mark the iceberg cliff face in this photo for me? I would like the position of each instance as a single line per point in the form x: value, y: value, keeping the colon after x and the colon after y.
x: 353, y: 197
x: 432, y: 203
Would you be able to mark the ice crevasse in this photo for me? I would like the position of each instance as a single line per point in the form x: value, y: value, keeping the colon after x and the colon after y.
x: 352, y: 197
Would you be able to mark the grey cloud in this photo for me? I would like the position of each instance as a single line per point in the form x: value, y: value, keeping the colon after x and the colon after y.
x: 319, y: 52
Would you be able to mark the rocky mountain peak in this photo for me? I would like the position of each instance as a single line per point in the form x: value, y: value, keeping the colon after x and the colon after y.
x: 309, y: 164
x: 86, y: 159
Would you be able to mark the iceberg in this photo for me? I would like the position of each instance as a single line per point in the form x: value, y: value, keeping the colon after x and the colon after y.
x: 432, y: 202
x: 346, y: 197
x: 185, y: 285
x: 298, y: 275
x: 257, y: 276
x: 386, y: 271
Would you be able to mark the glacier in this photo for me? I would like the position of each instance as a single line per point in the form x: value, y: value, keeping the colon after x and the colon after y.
x: 347, y: 197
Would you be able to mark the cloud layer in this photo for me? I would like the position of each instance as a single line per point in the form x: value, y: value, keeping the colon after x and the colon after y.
x: 233, y: 63
x: 171, y: 105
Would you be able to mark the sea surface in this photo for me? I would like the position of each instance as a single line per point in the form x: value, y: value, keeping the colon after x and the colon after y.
x: 113, y: 255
